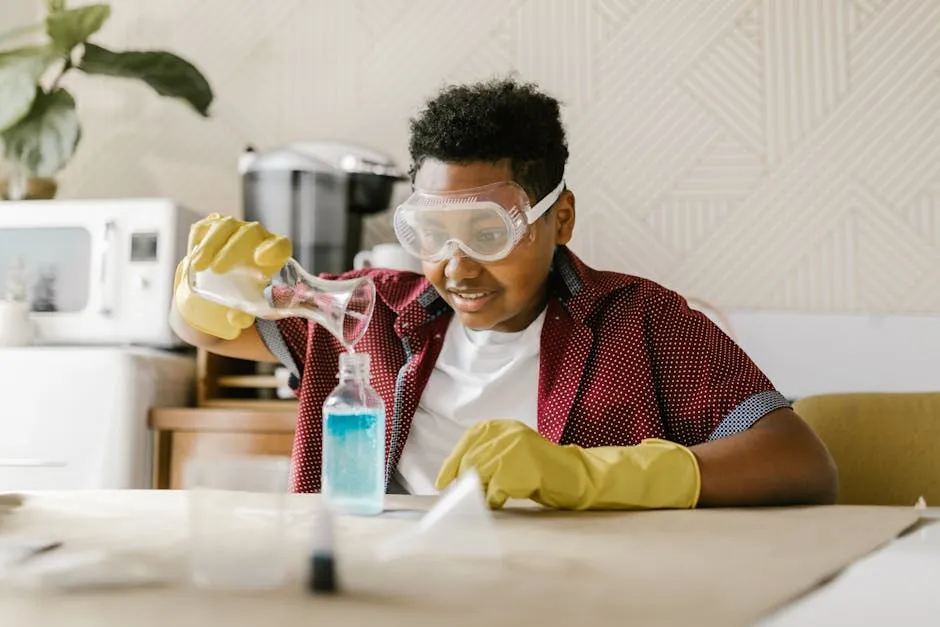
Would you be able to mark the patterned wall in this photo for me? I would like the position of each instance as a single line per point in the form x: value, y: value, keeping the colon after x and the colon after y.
x: 756, y: 153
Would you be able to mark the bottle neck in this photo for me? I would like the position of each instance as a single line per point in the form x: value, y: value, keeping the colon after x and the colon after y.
x: 346, y: 377
x: 354, y: 368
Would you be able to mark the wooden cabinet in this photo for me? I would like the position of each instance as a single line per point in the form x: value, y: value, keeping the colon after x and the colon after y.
x: 180, y: 433
x: 237, y: 383
x: 237, y: 413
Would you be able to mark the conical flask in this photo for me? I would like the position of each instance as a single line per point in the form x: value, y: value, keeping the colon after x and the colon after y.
x: 343, y: 307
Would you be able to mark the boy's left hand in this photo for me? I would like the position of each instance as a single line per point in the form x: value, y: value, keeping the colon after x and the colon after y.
x: 514, y: 461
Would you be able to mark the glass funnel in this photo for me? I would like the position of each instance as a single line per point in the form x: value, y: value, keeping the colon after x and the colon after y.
x: 343, y: 307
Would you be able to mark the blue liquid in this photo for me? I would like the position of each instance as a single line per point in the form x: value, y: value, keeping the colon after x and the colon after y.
x: 354, y: 461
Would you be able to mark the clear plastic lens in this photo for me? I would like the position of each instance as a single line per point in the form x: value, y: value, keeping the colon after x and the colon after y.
x: 433, y: 227
x: 483, y: 232
x: 486, y: 222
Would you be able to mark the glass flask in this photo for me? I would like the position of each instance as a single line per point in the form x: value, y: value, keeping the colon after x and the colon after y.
x: 343, y: 307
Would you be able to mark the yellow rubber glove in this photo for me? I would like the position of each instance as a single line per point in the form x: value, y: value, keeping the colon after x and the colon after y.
x: 220, y: 243
x: 514, y: 461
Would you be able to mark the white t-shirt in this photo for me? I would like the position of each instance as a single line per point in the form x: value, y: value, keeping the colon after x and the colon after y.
x: 479, y: 375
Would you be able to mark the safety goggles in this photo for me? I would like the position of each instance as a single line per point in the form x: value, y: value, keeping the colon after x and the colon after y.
x: 486, y: 223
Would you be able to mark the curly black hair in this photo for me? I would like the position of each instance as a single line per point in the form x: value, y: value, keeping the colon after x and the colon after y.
x: 492, y: 121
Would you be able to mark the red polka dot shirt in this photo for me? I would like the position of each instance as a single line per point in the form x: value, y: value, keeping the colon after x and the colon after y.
x: 621, y: 359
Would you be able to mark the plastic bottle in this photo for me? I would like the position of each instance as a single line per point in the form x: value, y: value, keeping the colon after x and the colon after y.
x: 353, y: 480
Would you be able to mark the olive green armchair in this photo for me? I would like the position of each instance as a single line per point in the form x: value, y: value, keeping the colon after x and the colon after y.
x: 886, y: 445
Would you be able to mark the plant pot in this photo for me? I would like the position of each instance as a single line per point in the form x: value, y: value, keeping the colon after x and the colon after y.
x: 36, y: 189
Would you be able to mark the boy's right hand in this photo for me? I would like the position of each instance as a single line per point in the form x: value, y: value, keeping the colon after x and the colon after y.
x: 220, y: 243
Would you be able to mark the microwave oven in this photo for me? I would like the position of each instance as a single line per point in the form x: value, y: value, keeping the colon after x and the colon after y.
x: 97, y: 272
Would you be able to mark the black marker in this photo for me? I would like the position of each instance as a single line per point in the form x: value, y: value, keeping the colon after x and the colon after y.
x: 322, y: 558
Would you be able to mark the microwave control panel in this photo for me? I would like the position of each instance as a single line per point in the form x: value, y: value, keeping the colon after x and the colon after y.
x: 144, y: 247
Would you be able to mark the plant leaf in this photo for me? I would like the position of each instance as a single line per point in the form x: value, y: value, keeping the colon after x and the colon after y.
x: 54, y: 6
x: 43, y: 142
x: 20, y: 71
x: 168, y: 74
x: 72, y: 27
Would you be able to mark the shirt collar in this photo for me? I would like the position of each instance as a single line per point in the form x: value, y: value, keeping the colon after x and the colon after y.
x: 571, y: 281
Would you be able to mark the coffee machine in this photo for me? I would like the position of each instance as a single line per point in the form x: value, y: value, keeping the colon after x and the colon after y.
x: 318, y: 193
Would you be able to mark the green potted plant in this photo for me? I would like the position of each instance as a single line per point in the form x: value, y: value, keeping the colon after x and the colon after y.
x: 39, y: 123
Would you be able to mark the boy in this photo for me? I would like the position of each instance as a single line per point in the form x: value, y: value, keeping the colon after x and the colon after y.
x: 577, y: 388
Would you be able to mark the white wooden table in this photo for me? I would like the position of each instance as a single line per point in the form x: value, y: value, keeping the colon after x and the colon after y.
x: 701, y: 567
x: 895, y: 585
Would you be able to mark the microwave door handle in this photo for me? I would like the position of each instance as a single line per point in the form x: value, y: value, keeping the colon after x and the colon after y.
x: 106, y: 278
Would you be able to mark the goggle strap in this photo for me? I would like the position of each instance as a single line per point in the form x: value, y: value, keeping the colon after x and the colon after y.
x: 534, y: 213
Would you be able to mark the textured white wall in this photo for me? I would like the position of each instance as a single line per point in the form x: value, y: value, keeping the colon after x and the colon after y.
x: 14, y: 13
x: 779, y: 154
